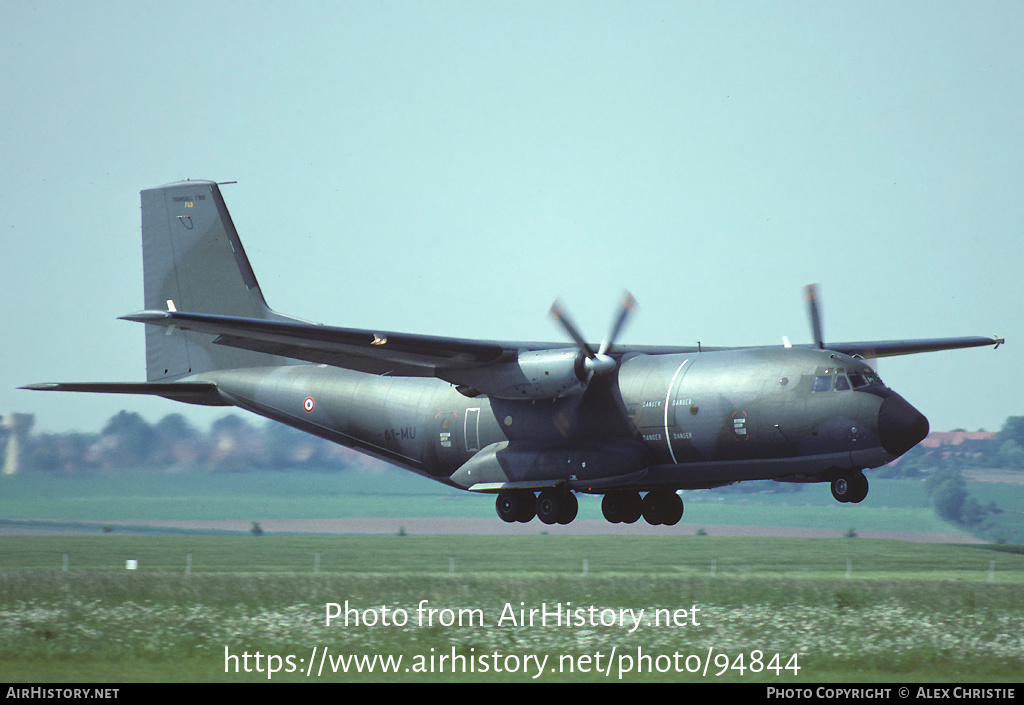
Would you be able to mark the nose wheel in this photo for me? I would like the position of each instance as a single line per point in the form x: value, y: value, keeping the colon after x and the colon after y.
x: 851, y: 487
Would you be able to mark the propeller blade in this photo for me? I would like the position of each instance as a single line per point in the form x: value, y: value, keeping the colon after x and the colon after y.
x: 871, y: 359
x: 627, y: 308
x: 596, y: 362
x: 812, y: 308
x: 559, y: 314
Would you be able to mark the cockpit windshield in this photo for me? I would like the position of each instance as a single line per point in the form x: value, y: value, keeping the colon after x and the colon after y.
x: 865, y: 378
x: 839, y: 380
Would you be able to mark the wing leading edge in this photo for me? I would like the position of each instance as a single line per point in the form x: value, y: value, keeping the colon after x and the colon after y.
x: 377, y: 352
x: 890, y: 348
x: 402, y: 354
x: 405, y: 354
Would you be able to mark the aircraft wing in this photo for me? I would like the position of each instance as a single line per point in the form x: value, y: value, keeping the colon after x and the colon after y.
x: 890, y: 348
x: 405, y: 354
x: 375, y: 351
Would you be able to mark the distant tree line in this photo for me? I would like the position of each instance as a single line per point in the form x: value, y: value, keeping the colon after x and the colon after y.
x: 234, y: 444
x: 1004, y: 449
x: 943, y: 467
x: 129, y: 443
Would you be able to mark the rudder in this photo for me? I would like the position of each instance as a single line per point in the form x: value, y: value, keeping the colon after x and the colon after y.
x: 193, y: 261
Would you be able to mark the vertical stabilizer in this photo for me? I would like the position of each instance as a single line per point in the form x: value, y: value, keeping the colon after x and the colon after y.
x: 193, y: 261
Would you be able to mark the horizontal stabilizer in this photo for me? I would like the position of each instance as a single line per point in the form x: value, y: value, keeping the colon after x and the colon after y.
x: 192, y: 392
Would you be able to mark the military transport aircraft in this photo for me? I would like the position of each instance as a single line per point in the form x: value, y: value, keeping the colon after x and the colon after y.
x: 533, y: 423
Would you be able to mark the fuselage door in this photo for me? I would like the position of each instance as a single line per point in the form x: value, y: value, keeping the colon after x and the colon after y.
x: 472, y: 428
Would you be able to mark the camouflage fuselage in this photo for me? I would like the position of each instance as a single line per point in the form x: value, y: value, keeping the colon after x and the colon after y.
x: 675, y: 421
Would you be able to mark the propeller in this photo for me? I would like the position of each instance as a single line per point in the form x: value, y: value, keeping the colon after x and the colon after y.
x: 598, y: 362
x: 811, y: 291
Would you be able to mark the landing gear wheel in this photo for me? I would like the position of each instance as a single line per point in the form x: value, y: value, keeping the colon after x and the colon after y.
x: 632, y: 508
x: 673, y: 510
x: 556, y: 506
x: 515, y: 505
x: 528, y: 510
x: 612, y: 505
x: 860, y: 488
x: 841, y: 489
x: 570, y: 506
x: 850, y: 488
x: 662, y: 507
x: 621, y: 506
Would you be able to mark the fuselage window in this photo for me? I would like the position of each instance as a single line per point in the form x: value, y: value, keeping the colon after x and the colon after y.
x: 857, y: 379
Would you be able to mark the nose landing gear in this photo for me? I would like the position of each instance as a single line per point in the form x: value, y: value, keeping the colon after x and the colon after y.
x: 851, y: 487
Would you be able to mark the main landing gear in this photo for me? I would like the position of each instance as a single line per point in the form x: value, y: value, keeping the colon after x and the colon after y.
x: 851, y: 487
x: 558, y: 506
x: 657, y: 507
x: 552, y: 506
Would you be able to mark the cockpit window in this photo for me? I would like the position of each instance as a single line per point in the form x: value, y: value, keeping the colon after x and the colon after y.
x: 840, y: 382
x: 839, y: 379
x: 866, y: 378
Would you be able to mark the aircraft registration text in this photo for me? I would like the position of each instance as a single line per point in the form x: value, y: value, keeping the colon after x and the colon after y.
x: 404, y: 433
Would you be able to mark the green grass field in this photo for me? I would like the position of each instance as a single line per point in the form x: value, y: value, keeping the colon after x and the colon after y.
x: 688, y: 556
x: 905, y: 613
x: 893, y: 505
x: 715, y: 608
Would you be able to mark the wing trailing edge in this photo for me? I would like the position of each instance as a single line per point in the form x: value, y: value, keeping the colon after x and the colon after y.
x: 350, y: 348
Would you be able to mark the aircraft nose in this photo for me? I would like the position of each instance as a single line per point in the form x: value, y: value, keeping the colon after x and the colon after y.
x: 900, y: 425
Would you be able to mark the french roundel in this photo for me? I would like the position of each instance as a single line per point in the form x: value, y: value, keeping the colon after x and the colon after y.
x: 309, y: 404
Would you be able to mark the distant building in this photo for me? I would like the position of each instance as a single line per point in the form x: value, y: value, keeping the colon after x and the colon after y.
x: 966, y: 443
x: 17, y: 426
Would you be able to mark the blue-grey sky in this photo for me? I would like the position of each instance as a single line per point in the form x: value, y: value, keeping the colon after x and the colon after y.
x: 453, y: 167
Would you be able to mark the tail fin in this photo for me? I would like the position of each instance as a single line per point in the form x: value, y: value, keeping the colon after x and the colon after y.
x: 193, y: 261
